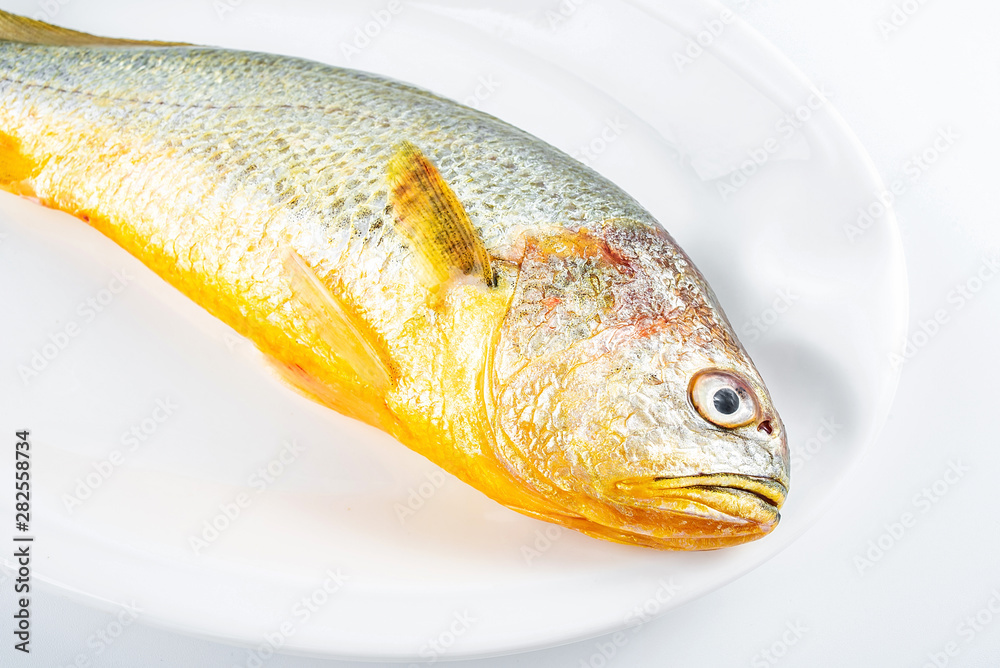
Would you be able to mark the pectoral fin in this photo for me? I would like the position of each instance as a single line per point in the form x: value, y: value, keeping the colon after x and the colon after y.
x: 429, y: 215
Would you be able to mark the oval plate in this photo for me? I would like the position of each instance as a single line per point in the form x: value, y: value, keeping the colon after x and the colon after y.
x: 173, y: 472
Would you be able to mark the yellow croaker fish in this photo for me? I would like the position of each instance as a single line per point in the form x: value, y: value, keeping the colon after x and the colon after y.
x: 416, y: 264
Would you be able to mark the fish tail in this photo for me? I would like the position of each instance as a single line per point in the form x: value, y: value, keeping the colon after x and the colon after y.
x: 15, y: 28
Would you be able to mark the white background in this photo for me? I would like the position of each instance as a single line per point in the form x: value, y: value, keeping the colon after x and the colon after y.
x: 939, y: 70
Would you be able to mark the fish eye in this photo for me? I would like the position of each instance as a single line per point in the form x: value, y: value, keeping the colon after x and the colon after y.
x: 723, y: 398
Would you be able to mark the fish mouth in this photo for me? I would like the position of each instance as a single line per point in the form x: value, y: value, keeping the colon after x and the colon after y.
x: 726, y: 498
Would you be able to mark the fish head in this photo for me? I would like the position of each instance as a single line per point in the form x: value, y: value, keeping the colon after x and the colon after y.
x: 624, y: 400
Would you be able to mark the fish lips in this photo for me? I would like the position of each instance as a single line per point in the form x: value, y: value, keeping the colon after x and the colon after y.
x: 725, y: 498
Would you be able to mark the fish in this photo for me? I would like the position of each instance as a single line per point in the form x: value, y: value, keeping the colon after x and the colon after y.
x: 416, y: 264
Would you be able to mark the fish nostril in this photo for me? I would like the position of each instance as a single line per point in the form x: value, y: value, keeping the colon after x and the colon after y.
x: 765, y: 426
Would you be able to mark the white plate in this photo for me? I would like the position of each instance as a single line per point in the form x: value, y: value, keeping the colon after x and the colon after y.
x: 460, y: 575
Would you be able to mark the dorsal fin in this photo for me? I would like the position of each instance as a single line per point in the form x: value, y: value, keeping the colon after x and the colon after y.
x: 430, y: 216
x: 14, y: 28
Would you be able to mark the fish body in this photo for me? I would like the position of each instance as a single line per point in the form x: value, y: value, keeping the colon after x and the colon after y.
x: 419, y: 265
